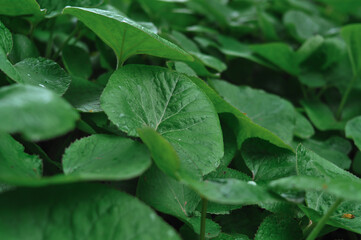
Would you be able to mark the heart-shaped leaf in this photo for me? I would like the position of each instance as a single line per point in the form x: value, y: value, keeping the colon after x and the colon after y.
x: 143, y: 96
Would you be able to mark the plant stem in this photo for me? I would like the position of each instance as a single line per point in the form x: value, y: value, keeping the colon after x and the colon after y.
x: 313, y: 235
x: 203, y: 219
x: 71, y: 35
x: 345, y: 97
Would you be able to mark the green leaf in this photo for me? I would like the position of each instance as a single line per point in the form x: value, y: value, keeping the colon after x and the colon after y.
x: 280, y: 227
x: 303, y: 128
x: 125, y: 36
x: 44, y: 73
x: 6, y: 39
x: 266, y: 161
x: 311, y: 164
x: 77, y: 61
x: 167, y: 195
x: 105, y: 157
x: 338, y: 187
x: 7, y: 67
x: 231, y: 191
x: 54, y: 8
x: 137, y: 96
x: 15, y: 163
x: 243, y: 126
x: 96, y: 211
x: 330, y: 149
x: 268, y: 110
x: 309, y: 47
x: 84, y: 95
x: 353, y: 130
x: 19, y: 8
x: 321, y: 115
x: 23, y: 48
x: 162, y: 151
x: 300, y: 25
x: 279, y: 54
x: 351, y: 34
x: 232, y: 47
x: 35, y: 112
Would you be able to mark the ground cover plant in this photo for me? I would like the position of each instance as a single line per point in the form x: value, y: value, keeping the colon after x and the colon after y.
x: 180, y: 119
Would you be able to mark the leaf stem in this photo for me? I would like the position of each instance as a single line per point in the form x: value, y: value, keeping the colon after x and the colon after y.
x: 313, y: 235
x: 345, y: 97
x: 203, y: 219
x: 71, y: 35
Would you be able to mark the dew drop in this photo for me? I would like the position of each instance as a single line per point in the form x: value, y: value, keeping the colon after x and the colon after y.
x: 41, y: 85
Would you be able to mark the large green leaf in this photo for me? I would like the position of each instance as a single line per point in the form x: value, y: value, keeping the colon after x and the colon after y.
x: 15, y: 163
x: 44, y: 73
x: 266, y: 161
x: 78, y: 212
x: 353, y: 130
x: 242, y: 125
x: 267, y: 110
x: 35, y: 112
x: 351, y: 34
x: 105, y: 157
x: 280, y: 227
x: 137, y: 96
x: 125, y: 36
x: 19, y: 8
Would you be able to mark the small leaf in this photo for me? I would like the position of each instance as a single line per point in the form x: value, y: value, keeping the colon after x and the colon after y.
x: 35, y: 112
x: 23, y: 48
x: 278, y: 54
x: 44, y: 73
x: 125, y: 36
x: 15, y: 164
x: 77, y: 62
x: 98, y: 212
x: 6, y: 39
x: 351, y: 34
x: 162, y: 151
x: 353, y: 130
x: 105, y: 157
x: 321, y: 115
x: 303, y: 128
x: 280, y: 227
x: 84, y: 95
x: 300, y: 25
x: 266, y: 161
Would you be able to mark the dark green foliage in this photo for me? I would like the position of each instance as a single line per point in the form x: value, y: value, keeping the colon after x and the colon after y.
x: 109, y: 107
